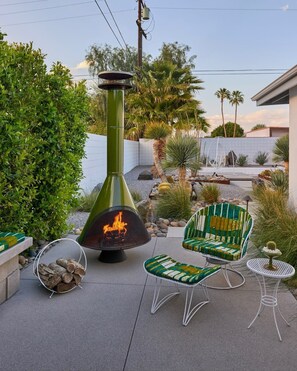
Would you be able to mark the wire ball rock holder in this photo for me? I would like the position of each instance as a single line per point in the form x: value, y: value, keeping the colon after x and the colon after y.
x: 60, y: 275
x: 271, y: 252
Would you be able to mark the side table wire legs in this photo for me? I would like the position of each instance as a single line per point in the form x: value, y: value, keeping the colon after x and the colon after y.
x: 268, y: 300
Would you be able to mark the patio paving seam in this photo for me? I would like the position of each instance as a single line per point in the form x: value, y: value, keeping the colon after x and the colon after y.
x: 137, y: 314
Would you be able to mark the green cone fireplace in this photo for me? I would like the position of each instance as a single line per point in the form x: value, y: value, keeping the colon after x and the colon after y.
x: 114, y: 223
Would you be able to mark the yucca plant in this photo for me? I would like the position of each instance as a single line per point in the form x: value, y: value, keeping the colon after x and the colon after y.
x: 210, y: 193
x: 281, y: 149
x: 181, y: 151
x: 158, y: 131
x: 175, y: 203
x: 261, y: 158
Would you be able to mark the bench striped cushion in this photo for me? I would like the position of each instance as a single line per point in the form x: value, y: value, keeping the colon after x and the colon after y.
x: 164, y: 266
x: 9, y: 239
x: 212, y: 247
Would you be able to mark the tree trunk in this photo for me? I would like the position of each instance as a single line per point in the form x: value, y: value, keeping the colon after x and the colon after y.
x: 235, y: 121
x: 223, y: 120
x: 157, y: 161
x: 182, y: 175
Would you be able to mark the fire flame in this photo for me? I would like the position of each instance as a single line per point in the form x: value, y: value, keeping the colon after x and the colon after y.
x: 117, y: 225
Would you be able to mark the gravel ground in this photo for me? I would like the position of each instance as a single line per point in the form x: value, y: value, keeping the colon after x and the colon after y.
x: 228, y: 191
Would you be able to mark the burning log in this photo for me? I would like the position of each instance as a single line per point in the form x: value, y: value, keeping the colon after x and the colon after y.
x: 62, y: 275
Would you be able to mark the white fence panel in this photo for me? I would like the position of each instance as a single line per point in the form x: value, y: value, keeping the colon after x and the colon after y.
x: 94, y: 165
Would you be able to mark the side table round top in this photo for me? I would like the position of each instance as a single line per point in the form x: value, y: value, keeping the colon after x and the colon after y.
x: 284, y: 270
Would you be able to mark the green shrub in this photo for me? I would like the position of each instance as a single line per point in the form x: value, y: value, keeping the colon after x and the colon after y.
x: 210, y: 193
x: 42, y: 131
x: 242, y: 160
x: 175, y: 203
x: 261, y: 158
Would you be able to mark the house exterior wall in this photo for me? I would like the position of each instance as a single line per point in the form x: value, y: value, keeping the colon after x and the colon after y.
x: 278, y: 132
x: 292, y: 147
x: 259, y: 133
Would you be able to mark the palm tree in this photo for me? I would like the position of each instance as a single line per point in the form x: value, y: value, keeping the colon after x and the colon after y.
x: 158, y: 131
x: 164, y: 93
x: 181, y: 151
x: 223, y: 94
x: 236, y: 98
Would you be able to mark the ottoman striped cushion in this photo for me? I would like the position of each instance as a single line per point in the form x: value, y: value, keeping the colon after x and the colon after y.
x: 164, y: 266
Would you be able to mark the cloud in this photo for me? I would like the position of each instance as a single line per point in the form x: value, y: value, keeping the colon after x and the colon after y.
x: 82, y: 65
x: 268, y: 117
x: 285, y: 7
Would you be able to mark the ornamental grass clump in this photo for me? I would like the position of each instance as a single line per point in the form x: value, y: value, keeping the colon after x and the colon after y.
x: 175, y: 203
x: 275, y: 221
x: 210, y: 193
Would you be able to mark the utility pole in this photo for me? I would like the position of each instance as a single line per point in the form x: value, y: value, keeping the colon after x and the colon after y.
x: 141, y: 16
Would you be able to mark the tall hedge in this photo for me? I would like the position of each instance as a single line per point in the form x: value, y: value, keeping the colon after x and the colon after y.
x: 42, y: 136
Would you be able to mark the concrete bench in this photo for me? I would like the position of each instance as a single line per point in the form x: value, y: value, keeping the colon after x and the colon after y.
x: 9, y: 269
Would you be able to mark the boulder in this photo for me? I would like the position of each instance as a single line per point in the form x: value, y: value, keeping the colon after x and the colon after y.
x: 145, y: 175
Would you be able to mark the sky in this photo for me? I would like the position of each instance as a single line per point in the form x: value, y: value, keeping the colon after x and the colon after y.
x: 240, y: 45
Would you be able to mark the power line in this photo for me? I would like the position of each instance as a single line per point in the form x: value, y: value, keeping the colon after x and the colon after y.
x: 50, y: 7
x: 60, y: 19
x: 23, y: 2
x: 98, y: 6
x: 283, y: 9
x: 116, y: 25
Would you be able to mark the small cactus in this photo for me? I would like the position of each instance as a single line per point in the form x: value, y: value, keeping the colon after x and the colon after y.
x: 271, y: 245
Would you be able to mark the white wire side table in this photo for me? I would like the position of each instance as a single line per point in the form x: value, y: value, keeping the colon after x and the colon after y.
x: 269, y: 299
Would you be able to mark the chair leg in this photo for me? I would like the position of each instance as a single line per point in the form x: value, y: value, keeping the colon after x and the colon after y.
x: 224, y: 271
x: 188, y: 312
x: 157, y: 304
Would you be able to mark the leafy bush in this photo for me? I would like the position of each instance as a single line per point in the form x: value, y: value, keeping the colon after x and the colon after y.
x: 42, y: 130
x: 175, y: 203
x: 275, y: 221
x: 261, y: 158
x: 242, y: 160
x: 210, y: 193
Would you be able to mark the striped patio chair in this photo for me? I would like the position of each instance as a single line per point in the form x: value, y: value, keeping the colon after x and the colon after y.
x: 164, y: 268
x: 9, y: 239
x: 221, y: 233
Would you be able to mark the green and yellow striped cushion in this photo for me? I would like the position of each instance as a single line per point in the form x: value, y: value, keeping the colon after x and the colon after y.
x: 212, y: 247
x: 9, y: 239
x: 165, y: 267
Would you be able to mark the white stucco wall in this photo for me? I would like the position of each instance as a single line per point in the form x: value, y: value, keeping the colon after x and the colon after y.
x: 218, y: 148
x: 292, y: 147
x: 94, y: 164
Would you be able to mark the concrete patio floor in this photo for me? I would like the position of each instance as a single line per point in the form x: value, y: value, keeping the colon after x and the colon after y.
x: 107, y: 324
